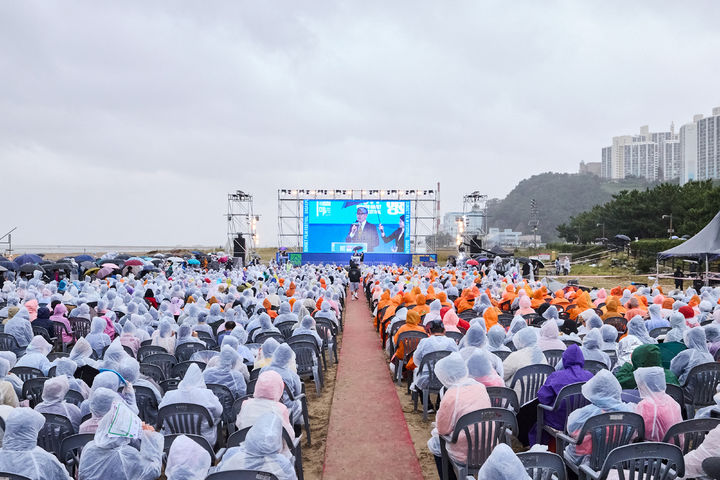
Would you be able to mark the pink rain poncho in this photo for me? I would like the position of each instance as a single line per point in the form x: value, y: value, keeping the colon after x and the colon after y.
x: 657, y: 408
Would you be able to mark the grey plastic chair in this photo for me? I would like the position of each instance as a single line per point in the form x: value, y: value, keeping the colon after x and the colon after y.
x: 656, y: 332
x: 74, y: 397
x: 261, y: 337
x: 607, y: 431
x: 147, y: 404
x: 180, y: 369
x: 70, y: 450
x: 164, y: 361
x: 409, y: 341
x: 80, y: 327
x: 32, y: 390
x: 594, y: 366
x: 55, y: 429
x: 457, y: 336
x: 293, y: 444
x: 241, y: 475
x: 543, y: 465
x: 27, y: 373
x: 433, y: 385
x: 483, y: 429
x: 184, y: 351
x: 308, y: 360
x: 690, y: 434
x: 677, y: 394
x: 146, y: 350
x: 702, y: 381
x: 503, y: 397
x: 8, y: 343
x: 306, y: 337
x: 184, y: 418
x: 711, y: 467
x: 286, y: 328
x: 152, y: 371
x: 644, y: 461
x: 613, y: 357
x: 502, y: 354
x: 530, y: 378
x: 200, y: 440
x: 553, y: 356
x: 570, y: 398
x: 225, y: 396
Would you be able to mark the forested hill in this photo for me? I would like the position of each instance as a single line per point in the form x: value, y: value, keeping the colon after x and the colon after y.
x: 558, y: 196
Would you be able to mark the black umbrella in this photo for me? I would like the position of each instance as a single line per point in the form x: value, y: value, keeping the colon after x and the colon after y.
x: 30, y: 267
x: 624, y: 238
x: 28, y: 258
x: 84, y: 258
x: 522, y: 259
x: 3, y: 269
x: 10, y: 265
x: 122, y: 256
x: 51, y: 267
x: 538, y: 262
x: 103, y: 261
x: 87, y: 265
x: 156, y: 261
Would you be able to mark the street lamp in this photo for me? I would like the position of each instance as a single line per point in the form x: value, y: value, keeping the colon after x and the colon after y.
x: 670, y: 230
x: 603, y: 229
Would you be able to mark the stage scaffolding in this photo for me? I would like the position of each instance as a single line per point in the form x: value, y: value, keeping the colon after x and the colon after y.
x: 423, y: 213
x: 241, y: 222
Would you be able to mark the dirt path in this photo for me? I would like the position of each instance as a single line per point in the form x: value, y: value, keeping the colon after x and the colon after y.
x: 368, y: 436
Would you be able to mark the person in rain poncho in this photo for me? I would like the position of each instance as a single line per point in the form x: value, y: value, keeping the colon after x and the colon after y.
x: 225, y: 372
x: 114, y: 354
x: 187, y: 460
x: 201, y: 325
x: 678, y: 328
x: 105, y: 380
x: 436, y: 342
x: 97, y: 338
x: 527, y: 353
x: 53, y: 397
x: 265, y: 326
x: 525, y: 304
x: 609, y: 338
x: 81, y: 353
x: 656, y: 319
x: 129, y: 369
x: 240, y: 335
x: 516, y: 324
x: 327, y: 312
x: 603, y: 391
x: 20, y: 453
x: 285, y: 315
x: 697, y: 353
x: 164, y: 336
x: 503, y: 464
x: 463, y: 395
x: 266, y: 399
x: 642, y: 356
x: 480, y: 368
x: 476, y: 339
x: 631, y: 340
x: 591, y: 348
x: 307, y: 327
x: 101, y: 400
x: 128, y: 337
x: 7, y: 389
x: 496, y: 339
x: 184, y: 335
x: 572, y: 371
x: 450, y: 321
x: 36, y: 355
x: 261, y: 451
x: 657, y: 408
x: 712, y: 333
x: 264, y: 356
x: 283, y: 362
x: 550, y: 337
x: 412, y: 324
x: 21, y: 329
x: 43, y: 321
x: 109, y: 455
x: 192, y: 389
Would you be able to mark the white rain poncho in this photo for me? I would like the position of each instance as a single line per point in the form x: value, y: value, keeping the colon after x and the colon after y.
x: 7, y: 390
x: 53, y: 396
x: 187, y: 460
x: 81, y: 353
x: 225, y: 372
x: 307, y: 327
x: 97, y: 338
x: 111, y: 456
x: 11, y: 377
x: 192, y: 390
x: 677, y: 328
x: 476, y: 340
x: 114, y: 354
x: 502, y: 464
x: 185, y: 336
x: 101, y: 401
x: 265, y: 353
x: 283, y: 362
x: 625, y: 348
x: 603, y: 391
x: 103, y: 379
x: 516, y: 324
x: 609, y: 338
x: 130, y: 371
x: 657, y: 408
x: 433, y: 343
x: 527, y: 353
x: 636, y: 327
x: 65, y: 366
x: 326, y: 311
x: 20, y: 328
x: 163, y: 336
x: 496, y: 339
x: 21, y: 455
x: 261, y: 451
x: 549, y: 338
x: 36, y: 355
x: 265, y: 326
x: 285, y: 314
x: 592, y: 347
x: 696, y: 354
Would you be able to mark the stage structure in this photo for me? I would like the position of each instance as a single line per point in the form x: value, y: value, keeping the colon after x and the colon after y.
x: 241, y: 225
x: 321, y: 225
x: 472, y: 231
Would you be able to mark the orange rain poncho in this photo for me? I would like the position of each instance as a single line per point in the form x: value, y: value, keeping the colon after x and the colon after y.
x: 420, y: 306
x: 412, y: 323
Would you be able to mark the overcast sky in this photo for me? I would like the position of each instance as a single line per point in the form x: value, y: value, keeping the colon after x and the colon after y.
x: 129, y: 122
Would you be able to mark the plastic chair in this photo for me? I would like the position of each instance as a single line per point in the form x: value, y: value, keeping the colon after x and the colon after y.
x: 129, y: 351
x: 594, y: 366
x: 179, y: 369
x: 307, y: 358
x: 702, y: 381
x: 52, y: 433
x: 676, y: 393
x: 530, y: 378
x: 457, y: 336
x: 70, y: 450
x: 690, y: 434
x: 483, y: 429
x: 12, y: 476
x: 147, y: 404
x: 43, y: 332
x: 184, y: 351
x: 570, y: 398
x: 543, y: 465
x: 145, y: 343
x: 209, y: 340
x: 241, y: 475
x: 61, y: 329
x: 261, y: 337
x: 74, y: 397
x: 409, y: 341
x: 306, y: 337
x: 293, y: 445
x: 184, y: 418
x: 146, y: 350
x: 163, y: 360
x: 27, y: 373
x: 329, y: 340
x: 152, y: 371
x: 613, y: 357
x: 32, y: 390
x: 304, y: 407
x: 656, y: 332
x: 711, y: 467
x: 225, y: 396
x: 607, y: 431
x: 80, y: 327
x: 505, y: 319
x: 502, y: 354
x: 645, y: 460
x: 52, y: 356
x: 569, y: 342
x: 553, y: 356
x: 619, y: 323
x: 286, y: 328
x: 8, y: 343
x: 200, y: 440
x: 432, y: 385
x: 503, y: 397
x: 170, y: 384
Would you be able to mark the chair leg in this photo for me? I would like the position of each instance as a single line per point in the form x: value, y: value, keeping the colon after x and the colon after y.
x: 426, y: 400
x: 298, y: 462
x: 306, y: 419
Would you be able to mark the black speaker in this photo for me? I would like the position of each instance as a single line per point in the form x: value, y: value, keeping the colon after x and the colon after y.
x: 475, y: 244
x: 239, y: 246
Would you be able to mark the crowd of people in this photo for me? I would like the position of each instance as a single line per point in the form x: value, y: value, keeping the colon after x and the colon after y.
x: 627, y: 347
x: 91, y: 342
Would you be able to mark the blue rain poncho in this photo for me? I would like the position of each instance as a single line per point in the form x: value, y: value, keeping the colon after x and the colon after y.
x: 656, y: 320
x: 21, y: 455
x: 696, y: 354
x: 502, y: 464
x: 36, y: 355
x: 101, y: 400
x: 283, y: 362
x: 496, y: 339
x: 111, y: 456
x: 187, y: 460
x: 592, y: 347
x: 285, y: 314
x: 185, y: 336
x: 192, y: 389
x: 307, y: 327
x: 53, y: 397
x: 226, y: 373
x: 97, y: 338
x: 261, y: 451
x: 327, y: 312
x: 516, y: 324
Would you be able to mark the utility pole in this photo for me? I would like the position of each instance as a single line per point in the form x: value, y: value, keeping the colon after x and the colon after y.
x: 534, y: 222
x: 9, y: 240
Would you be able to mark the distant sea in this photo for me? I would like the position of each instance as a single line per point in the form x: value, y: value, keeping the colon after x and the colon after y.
x: 100, y: 249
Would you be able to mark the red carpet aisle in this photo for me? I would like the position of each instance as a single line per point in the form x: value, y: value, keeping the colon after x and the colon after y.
x: 367, y: 436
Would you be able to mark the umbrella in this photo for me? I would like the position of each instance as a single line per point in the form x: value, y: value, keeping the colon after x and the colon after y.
x: 122, y: 256
x: 522, y: 259
x: 624, y: 238
x: 193, y: 261
x: 84, y: 258
x: 156, y: 261
x: 10, y: 265
x: 87, y: 265
x: 538, y: 262
x: 57, y: 266
x: 222, y: 259
x: 104, y: 271
x: 472, y: 262
x: 30, y: 267
x: 28, y: 258
x: 176, y: 259
x: 150, y: 268
x: 195, y: 252
x: 103, y: 261
x: 90, y: 271
x: 133, y: 262
x: 159, y: 255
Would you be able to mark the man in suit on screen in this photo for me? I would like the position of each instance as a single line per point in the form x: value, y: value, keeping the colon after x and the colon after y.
x: 363, y: 231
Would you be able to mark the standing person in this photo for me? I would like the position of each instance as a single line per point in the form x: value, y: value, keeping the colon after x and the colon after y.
x: 398, y: 235
x: 678, y: 278
x: 354, y: 276
x: 566, y: 265
x: 557, y: 266
x: 363, y: 231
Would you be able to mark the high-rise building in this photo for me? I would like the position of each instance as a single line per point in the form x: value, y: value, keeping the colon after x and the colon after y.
x: 708, y: 146
x: 688, y: 152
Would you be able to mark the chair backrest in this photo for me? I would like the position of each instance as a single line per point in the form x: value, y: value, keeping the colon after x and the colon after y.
x: 207, y: 338
x: 688, y: 435
x: 484, y: 430
x: 409, y: 341
x: 146, y: 350
x: 286, y: 328
x: 530, y: 378
x: 702, y: 381
x: 676, y: 393
x: 80, y: 327
x: 163, y: 360
x: 55, y: 429
x: 129, y: 351
x: 200, y: 440
x: 26, y: 373
x: 503, y: 397
x: 170, y: 384
x: 427, y: 365
x: 457, y: 336
x: 179, y: 369
x: 184, y: 351
x: 303, y: 337
x: 152, y: 371
x: 655, y: 460
x: 553, y: 356
x: 74, y: 397
x: 656, y: 332
x: 12, y: 476
x: 307, y: 356
x: 502, y: 354
x: 147, y: 404
x: 505, y: 319
x: 261, y: 337
x: 613, y: 356
x: 43, y: 332
x: 569, y: 342
x: 52, y: 356
x: 543, y: 465
x: 8, y: 343
x: 145, y: 343
x: 611, y: 430
x: 184, y: 418
x: 241, y: 475
x: 328, y: 323
x: 71, y: 448
x: 570, y: 398
x: 594, y: 366
x: 619, y: 323
x: 238, y: 437
x: 225, y: 396
x: 32, y: 390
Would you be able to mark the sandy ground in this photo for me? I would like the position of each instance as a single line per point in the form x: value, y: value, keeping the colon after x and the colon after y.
x: 419, y: 431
